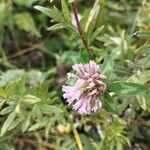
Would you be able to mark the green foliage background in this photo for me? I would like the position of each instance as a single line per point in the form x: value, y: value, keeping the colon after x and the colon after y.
x: 38, y: 46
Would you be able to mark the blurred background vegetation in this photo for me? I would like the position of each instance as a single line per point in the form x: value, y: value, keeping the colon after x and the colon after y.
x: 34, y: 62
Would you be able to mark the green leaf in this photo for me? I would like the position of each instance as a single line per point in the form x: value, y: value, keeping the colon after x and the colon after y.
x: 21, y: 86
x: 55, y: 15
x: 15, y: 123
x: 75, y: 57
x: 140, y: 77
x: 72, y: 1
x: 144, y: 48
x: 146, y: 63
x: 35, y: 126
x: 109, y: 104
x: 144, y: 34
x: 96, y: 33
x: 50, y: 109
x: 87, y: 142
x: 84, y: 56
x: 73, y: 35
x: 119, y: 145
x: 37, y: 112
x: 11, y: 76
x: 142, y: 101
x: 127, y: 88
x: 55, y: 27
x: 44, y: 10
x: 43, y: 90
x: 31, y: 99
x: 26, y: 123
x: 25, y: 21
x: 107, y: 66
x: 7, y: 123
x: 103, y: 144
x: 2, y: 13
x: 65, y: 10
x: 117, y: 40
x: 92, y: 19
x: 27, y: 3
x: 6, y: 110
x: 2, y: 103
x: 35, y: 75
x: 10, y: 89
x: 126, y: 139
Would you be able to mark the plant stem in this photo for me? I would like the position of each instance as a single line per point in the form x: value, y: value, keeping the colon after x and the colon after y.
x: 25, y: 50
x: 74, y: 10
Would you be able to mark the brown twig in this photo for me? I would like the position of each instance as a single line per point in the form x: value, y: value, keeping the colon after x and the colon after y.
x: 25, y: 50
x: 74, y: 10
x: 35, y: 143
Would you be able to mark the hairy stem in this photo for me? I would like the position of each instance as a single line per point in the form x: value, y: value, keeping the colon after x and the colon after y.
x: 74, y: 10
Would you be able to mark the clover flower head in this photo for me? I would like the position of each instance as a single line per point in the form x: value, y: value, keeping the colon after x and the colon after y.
x: 85, y: 87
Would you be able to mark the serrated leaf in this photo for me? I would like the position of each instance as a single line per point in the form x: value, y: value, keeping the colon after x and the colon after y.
x: 127, y: 88
x: 7, y: 123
